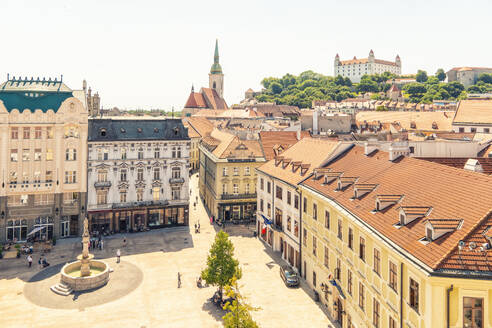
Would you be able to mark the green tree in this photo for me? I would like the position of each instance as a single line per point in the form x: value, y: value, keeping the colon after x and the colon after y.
x: 221, y: 264
x: 239, y: 315
x: 484, y: 77
x: 441, y: 76
x: 367, y: 85
x: 276, y: 87
x: 415, y: 91
x: 421, y: 76
x: 453, y: 88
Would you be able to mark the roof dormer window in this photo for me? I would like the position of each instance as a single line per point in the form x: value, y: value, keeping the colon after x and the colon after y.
x: 411, y: 213
x: 103, y: 132
x: 344, y: 182
x: 385, y: 201
x: 361, y: 189
x: 435, y: 228
x: 285, y: 162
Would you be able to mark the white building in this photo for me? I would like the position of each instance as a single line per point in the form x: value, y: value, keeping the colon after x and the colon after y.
x: 137, y: 174
x: 355, y: 68
x: 278, y: 196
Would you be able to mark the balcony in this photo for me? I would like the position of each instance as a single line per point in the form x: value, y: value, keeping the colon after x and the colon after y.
x: 237, y: 196
x: 102, y: 184
x: 140, y: 204
x: 176, y: 180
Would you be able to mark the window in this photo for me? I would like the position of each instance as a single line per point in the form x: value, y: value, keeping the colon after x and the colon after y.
x: 235, y: 189
x: 123, y: 153
x: 414, y: 295
x: 289, y: 195
x: 361, y: 296
x: 338, y: 269
x: 25, y: 177
x: 269, y: 209
x: 140, y: 194
x: 13, y: 178
x: 269, y: 187
x: 122, y: 196
x: 155, y: 193
x: 326, y: 260
x: 102, y: 175
x: 375, y: 313
x: 175, y: 192
x: 37, y: 132
x: 304, y: 206
x: 473, y: 129
x: 486, y: 130
x: 13, y: 155
x: 392, y: 322
x: 246, y: 187
x: 70, y: 177
x: 140, y: 174
x: 49, y: 133
x: 157, y: 173
x: 377, y: 262
x: 262, y: 184
x: 393, y: 276
x: 350, y: 239
x: 25, y: 155
x: 17, y: 229
x: 349, y: 281
x: 362, y: 249
x: 70, y: 154
x: 123, y: 175
x: 236, y: 171
x: 246, y: 170
x: 315, y: 211
x: 156, y: 153
x: 102, y: 196
x: 327, y: 220
x: 140, y: 154
x: 176, y: 173
x: 224, y: 189
x: 296, y: 202
x: 26, y: 133
x: 472, y: 312
x: 49, y: 154
x: 49, y: 176
x: 296, y: 229
x: 278, y: 192
x: 45, y: 199
x: 14, y: 133
x: 289, y: 223
x: 315, y: 244
x: 340, y: 236
x: 224, y: 171
x: 304, y: 235
x: 261, y: 200
x: 37, y: 154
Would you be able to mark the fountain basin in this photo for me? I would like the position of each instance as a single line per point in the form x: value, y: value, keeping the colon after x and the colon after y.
x: 70, y: 275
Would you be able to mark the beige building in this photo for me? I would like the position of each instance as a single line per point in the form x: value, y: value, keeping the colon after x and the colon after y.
x: 198, y: 128
x: 227, y: 178
x: 43, y: 138
x: 473, y: 116
x: 466, y: 75
x: 355, y: 68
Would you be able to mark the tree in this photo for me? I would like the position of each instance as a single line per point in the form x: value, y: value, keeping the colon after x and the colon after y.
x: 441, y: 76
x: 421, y: 76
x: 276, y: 87
x: 221, y: 264
x: 415, y: 90
x: 239, y: 311
x: 367, y: 85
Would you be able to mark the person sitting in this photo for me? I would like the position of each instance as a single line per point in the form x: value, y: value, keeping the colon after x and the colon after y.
x: 45, y: 263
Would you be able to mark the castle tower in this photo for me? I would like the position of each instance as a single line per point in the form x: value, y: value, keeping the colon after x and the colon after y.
x: 398, y: 61
x: 337, y: 63
x: 216, y: 77
x: 371, y: 56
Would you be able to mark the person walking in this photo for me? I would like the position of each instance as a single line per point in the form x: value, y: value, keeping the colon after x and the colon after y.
x: 124, y: 241
x: 102, y: 245
x: 118, y: 255
x: 179, y: 280
x: 198, y: 227
x: 39, y: 262
x: 29, y: 260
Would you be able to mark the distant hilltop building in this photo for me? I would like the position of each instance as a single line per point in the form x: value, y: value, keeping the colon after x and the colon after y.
x: 466, y: 75
x: 355, y: 68
x: 211, y: 97
x: 93, y: 101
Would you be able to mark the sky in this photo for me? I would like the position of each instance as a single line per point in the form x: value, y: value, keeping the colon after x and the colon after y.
x: 147, y: 53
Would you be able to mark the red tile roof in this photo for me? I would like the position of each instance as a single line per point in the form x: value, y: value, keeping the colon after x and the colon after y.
x: 452, y: 193
x: 195, y: 100
x: 275, y: 139
x: 212, y: 98
x: 459, y: 162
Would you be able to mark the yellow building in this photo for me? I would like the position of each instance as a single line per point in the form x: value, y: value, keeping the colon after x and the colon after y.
x: 398, y: 243
x: 198, y: 127
x: 227, y: 177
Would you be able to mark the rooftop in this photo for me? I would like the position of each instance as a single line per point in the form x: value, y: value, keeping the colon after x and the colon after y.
x: 275, y: 142
x: 226, y: 146
x: 410, y: 120
x: 474, y: 111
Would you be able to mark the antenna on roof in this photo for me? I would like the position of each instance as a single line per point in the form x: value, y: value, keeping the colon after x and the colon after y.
x: 8, y: 75
x: 61, y: 78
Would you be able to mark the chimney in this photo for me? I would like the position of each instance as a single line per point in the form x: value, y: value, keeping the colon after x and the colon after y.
x: 298, y: 135
x: 315, y: 122
x: 370, y: 147
x: 473, y: 165
x: 397, y: 149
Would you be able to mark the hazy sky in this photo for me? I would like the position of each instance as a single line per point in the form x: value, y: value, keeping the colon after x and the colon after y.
x: 146, y: 54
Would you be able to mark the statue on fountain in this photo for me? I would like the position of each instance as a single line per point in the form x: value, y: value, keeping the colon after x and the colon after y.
x: 85, y: 257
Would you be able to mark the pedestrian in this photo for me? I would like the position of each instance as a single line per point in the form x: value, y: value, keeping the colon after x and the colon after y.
x: 102, y: 245
x: 29, y: 260
x: 39, y: 262
x: 179, y: 280
x: 198, y: 227
x: 195, y: 228
x: 124, y: 241
x: 118, y: 254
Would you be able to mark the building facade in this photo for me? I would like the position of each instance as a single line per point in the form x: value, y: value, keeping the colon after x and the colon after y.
x: 279, y: 200
x: 198, y: 128
x: 355, y: 68
x: 43, y: 146
x: 392, y: 242
x: 473, y: 115
x: 137, y: 174
x: 466, y: 75
x: 227, y: 177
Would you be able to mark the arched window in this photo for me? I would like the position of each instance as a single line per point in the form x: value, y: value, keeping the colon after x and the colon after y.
x: 214, y: 86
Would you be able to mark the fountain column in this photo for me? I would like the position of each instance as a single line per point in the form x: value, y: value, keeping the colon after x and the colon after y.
x: 85, y: 257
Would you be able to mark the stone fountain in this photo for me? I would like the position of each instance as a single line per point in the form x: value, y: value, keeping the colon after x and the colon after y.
x: 84, y: 274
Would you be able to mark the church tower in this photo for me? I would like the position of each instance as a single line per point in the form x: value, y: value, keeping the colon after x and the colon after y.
x: 216, y: 77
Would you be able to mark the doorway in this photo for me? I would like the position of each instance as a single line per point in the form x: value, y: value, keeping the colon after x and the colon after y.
x: 74, y: 225
x: 339, y: 310
x: 65, y: 229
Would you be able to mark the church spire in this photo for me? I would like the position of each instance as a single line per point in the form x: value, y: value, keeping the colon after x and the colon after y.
x: 216, y: 69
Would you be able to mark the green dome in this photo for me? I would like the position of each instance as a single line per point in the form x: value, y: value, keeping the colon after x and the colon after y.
x: 216, y: 69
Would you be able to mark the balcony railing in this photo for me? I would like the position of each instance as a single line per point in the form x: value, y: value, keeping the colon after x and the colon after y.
x: 237, y: 196
x: 142, y: 203
x: 102, y: 184
x: 176, y: 180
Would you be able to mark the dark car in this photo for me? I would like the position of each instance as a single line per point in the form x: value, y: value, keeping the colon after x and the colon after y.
x: 289, y: 276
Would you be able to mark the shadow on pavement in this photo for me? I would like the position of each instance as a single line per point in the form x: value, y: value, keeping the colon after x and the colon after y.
x: 216, y: 312
x: 47, y: 273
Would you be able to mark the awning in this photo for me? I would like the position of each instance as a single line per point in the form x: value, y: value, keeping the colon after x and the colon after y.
x: 265, y: 220
x: 36, y: 230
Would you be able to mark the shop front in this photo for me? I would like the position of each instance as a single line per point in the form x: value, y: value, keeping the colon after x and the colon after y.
x: 237, y: 211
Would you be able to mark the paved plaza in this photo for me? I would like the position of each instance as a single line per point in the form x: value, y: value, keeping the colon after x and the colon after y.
x: 143, y: 292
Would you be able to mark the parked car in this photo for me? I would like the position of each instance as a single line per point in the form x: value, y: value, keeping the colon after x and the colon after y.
x: 289, y: 276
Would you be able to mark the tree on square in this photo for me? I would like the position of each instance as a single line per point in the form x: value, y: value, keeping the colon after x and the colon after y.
x: 221, y: 264
x: 238, y: 315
